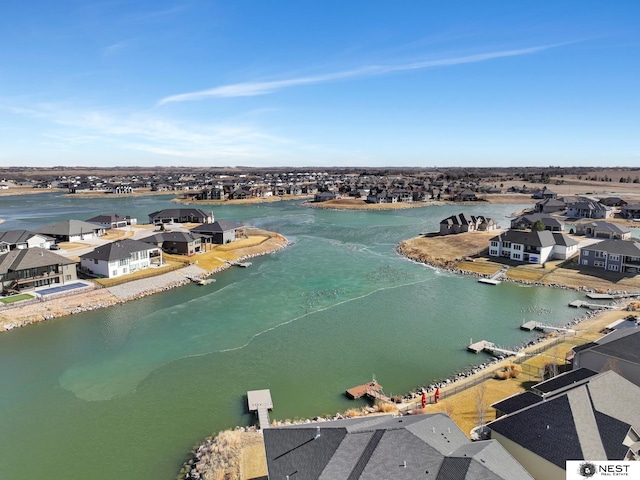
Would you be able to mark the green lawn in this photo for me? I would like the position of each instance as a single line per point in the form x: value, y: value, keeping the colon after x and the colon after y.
x: 16, y: 298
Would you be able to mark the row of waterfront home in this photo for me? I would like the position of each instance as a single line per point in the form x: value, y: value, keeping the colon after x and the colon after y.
x: 30, y: 259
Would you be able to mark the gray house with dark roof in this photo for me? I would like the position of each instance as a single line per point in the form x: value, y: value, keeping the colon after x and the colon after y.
x: 526, y: 222
x: 219, y: 232
x: 591, y: 418
x: 380, y: 447
x: 550, y: 205
x: 72, y: 230
x: 621, y: 256
x: 179, y: 243
x: 631, y: 212
x: 112, y: 220
x: 463, y: 222
x: 604, y: 230
x: 618, y: 351
x: 180, y: 215
x: 19, y: 239
x: 28, y: 268
x: 587, y: 208
x: 120, y: 258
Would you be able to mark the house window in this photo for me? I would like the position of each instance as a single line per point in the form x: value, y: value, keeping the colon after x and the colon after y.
x: 598, y: 264
x: 123, y: 262
x: 613, y: 268
x: 493, y: 252
x: 506, y: 245
x: 517, y: 247
x: 601, y: 254
x: 67, y: 277
x: 614, y: 258
x: 585, y: 262
x: 516, y: 256
x: 494, y: 244
x: 585, y: 253
x: 95, y: 260
x: 114, y: 273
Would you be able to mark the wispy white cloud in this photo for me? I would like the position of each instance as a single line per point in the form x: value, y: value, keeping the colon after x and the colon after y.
x: 115, y: 48
x: 150, y: 133
x: 247, y: 89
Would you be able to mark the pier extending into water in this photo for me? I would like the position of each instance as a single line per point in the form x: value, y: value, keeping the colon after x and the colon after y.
x: 590, y: 306
x: 494, y: 279
x: 532, y: 325
x: 486, y: 346
x: 260, y: 401
x: 372, y: 390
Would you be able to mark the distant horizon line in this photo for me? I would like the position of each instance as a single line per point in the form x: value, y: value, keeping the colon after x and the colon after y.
x: 318, y: 167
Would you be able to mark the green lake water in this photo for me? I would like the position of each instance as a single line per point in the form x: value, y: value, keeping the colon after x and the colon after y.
x: 125, y: 392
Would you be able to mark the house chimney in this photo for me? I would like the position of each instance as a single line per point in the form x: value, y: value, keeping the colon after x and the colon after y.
x: 317, y: 433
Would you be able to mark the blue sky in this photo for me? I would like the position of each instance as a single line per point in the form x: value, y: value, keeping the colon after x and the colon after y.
x: 330, y: 83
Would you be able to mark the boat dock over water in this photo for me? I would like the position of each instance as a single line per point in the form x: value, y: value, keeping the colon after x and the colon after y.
x: 372, y: 390
x: 590, y: 306
x: 490, y: 347
x: 493, y: 279
x: 260, y: 401
x: 532, y: 325
x: 612, y: 296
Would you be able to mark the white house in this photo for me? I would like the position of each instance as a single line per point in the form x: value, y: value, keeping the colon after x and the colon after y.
x: 532, y: 247
x: 120, y: 258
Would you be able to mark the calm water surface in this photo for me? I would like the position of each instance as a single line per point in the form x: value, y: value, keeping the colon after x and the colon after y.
x: 125, y: 392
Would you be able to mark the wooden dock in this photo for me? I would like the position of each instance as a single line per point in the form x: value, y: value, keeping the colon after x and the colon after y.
x: 590, y: 306
x: 493, y: 279
x: 532, y: 325
x: 372, y: 390
x: 612, y: 296
x: 480, y: 346
x: 260, y: 401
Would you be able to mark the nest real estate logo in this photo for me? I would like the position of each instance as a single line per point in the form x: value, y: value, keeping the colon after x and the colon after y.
x: 581, y: 470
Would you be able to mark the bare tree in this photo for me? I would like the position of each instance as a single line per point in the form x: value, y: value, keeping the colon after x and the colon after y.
x: 481, y: 409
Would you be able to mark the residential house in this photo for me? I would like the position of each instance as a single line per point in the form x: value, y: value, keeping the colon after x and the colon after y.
x: 179, y: 243
x: 613, y: 202
x: 324, y: 196
x: 466, y: 195
x: 72, y: 230
x: 24, y: 269
x: 215, y: 193
x: 618, y: 351
x: 532, y: 247
x: 587, y: 208
x: 574, y: 418
x: 565, y: 247
x: 120, y: 258
x: 550, y: 205
x: 112, y: 220
x: 464, y: 222
x: 544, y: 193
x: 180, y: 215
x: 621, y: 256
x: 19, y: 239
x: 631, y: 211
x: 409, y: 447
x: 606, y: 230
x: 219, y: 232
x: 526, y: 222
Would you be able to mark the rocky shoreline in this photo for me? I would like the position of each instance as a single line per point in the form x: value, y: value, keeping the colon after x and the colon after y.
x: 35, y: 311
